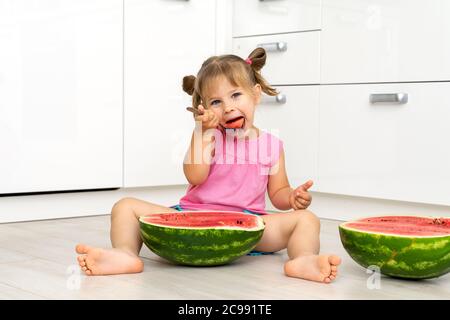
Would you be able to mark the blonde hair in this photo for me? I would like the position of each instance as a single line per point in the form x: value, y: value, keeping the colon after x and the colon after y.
x: 237, y: 71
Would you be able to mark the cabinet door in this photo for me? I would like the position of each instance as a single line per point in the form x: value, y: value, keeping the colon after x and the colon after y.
x: 164, y: 41
x: 257, y: 17
x: 386, y: 150
x: 60, y: 95
x: 385, y: 41
x: 295, y: 122
x: 291, y: 58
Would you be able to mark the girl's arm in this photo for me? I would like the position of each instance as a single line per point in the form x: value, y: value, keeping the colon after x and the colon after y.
x: 282, y: 196
x: 197, y: 162
x: 278, y: 186
x: 198, y: 157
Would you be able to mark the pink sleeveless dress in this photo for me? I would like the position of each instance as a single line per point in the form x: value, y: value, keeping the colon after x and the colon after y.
x: 238, y: 176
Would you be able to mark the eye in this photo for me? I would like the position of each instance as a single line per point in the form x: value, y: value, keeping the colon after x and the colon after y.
x: 215, y: 102
x: 236, y: 94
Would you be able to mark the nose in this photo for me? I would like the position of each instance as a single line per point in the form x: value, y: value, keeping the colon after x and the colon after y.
x: 228, y: 106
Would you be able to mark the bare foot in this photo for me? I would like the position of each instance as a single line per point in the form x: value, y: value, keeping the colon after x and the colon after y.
x: 98, y: 261
x: 321, y: 268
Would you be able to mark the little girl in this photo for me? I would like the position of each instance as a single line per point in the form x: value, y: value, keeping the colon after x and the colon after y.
x: 229, y: 165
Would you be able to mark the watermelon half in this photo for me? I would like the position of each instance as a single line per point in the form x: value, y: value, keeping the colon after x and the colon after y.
x: 201, y: 238
x: 401, y: 246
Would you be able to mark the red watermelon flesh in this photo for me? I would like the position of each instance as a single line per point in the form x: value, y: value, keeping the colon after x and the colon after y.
x: 206, y: 219
x: 403, y: 225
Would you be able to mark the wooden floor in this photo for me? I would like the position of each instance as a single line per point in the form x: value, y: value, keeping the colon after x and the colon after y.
x: 37, y: 261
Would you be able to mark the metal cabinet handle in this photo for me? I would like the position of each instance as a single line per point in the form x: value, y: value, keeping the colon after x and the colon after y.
x: 280, y: 98
x: 274, y: 46
x: 398, y: 98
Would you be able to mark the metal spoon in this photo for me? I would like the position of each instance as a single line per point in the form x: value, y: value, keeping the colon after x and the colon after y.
x: 194, y: 111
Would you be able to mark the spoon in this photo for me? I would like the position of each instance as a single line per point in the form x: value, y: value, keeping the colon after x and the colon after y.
x: 194, y: 111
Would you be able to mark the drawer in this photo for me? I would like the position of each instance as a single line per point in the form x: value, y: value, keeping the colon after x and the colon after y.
x: 386, y: 150
x: 291, y: 58
x: 296, y: 123
x: 257, y: 17
x: 381, y: 41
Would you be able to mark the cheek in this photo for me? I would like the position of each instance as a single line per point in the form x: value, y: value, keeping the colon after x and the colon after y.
x: 217, y: 112
x: 249, y: 109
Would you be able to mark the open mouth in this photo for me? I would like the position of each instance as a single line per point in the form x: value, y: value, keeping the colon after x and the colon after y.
x: 235, y: 123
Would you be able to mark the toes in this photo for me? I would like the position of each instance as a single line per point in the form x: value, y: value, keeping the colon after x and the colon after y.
x: 332, y: 277
x: 90, y: 264
x: 333, y: 268
x: 334, y: 260
x: 84, y: 268
x: 327, y: 280
x: 324, y: 265
x: 81, y: 260
x: 82, y: 248
x: 88, y: 272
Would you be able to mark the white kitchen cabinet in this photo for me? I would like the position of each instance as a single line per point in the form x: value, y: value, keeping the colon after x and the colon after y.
x: 296, y: 123
x: 257, y: 17
x: 60, y: 95
x: 164, y: 41
x: 366, y: 41
x: 386, y: 150
x: 291, y: 58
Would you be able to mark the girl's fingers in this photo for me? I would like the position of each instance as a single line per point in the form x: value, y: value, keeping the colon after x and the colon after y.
x: 302, y: 201
x: 200, y: 118
x: 293, y: 203
x: 304, y: 187
x: 207, y: 117
x: 305, y: 203
x: 211, y: 121
x: 294, y: 206
x: 299, y: 205
x: 303, y: 195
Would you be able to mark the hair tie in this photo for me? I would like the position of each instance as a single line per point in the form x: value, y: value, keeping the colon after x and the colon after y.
x: 248, y: 61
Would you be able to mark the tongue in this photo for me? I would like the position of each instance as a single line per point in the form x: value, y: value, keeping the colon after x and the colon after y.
x: 238, y: 123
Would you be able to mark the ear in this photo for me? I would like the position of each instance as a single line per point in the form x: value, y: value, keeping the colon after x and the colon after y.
x: 257, y: 92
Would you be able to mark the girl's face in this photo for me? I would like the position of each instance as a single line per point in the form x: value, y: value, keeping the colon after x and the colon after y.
x: 233, y: 105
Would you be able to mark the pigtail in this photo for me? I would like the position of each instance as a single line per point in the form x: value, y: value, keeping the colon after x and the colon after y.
x: 257, y: 60
x: 189, y: 83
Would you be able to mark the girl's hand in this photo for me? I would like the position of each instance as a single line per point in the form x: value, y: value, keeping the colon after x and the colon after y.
x: 300, y: 197
x: 207, y: 117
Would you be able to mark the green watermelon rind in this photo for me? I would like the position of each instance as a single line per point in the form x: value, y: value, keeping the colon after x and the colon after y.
x: 398, y: 256
x: 200, y: 246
